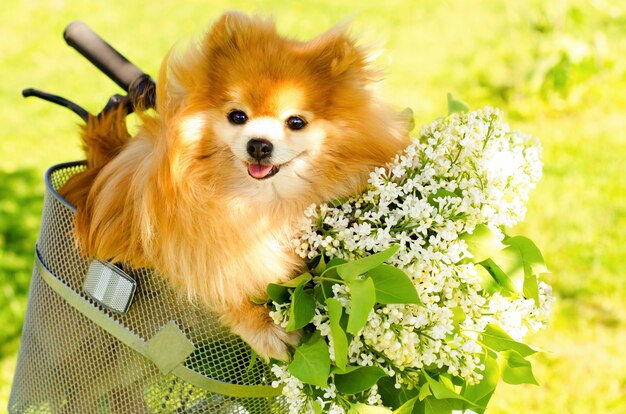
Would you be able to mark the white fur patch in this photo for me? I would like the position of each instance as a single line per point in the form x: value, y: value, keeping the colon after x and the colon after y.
x: 192, y: 127
x: 265, y: 128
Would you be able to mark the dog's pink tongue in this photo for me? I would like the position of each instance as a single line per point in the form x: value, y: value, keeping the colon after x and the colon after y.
x: 259, y: 170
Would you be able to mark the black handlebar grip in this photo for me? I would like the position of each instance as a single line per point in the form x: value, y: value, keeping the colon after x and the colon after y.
x: 78, y: 35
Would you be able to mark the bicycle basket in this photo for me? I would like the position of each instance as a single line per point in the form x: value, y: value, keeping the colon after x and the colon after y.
x: 165, y: 354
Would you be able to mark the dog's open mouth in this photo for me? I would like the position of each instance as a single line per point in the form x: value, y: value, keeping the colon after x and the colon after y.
x: 262, y: 171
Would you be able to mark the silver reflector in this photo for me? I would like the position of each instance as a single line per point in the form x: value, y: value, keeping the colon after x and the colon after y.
x: 110, y: 286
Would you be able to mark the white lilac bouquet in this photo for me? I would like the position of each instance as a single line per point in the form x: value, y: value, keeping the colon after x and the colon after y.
x: 417, y: 301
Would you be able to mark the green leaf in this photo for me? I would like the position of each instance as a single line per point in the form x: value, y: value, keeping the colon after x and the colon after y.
x: 515, y: 369
x: 456, y: 105
x: 350, y: 270
x: 323, y: 290
x: 340, y: 340
x: 320, y: 266
x: 442, y: 391
x: 311, y: 361
x: 482, y: 405
x: 482, y: 243
x: 392, y: 396
x: 277, y: 293
x: 533, y: 264
x: 447, y: 382
x: 393, y: 286
x: 407, y: 407
x: 488, y: 281
x: 338, y: 202
x: 331, y: 268
x: 335, y: 262
x: 361, y: 408
x: 485, y: 388
x: 254, y: 357
x: 297, y: 281
x: 302, y: 308
x: 362, y: 301
x: 360, y: 379
x: 530, y: 253
x: 259, y: 301
x: 507, y: 268
x: 317, y: 407
x: 433, y: 405
x: 347, y: 369
x: 424, y: 392
x: 498, y: 340
x: 531, y: 287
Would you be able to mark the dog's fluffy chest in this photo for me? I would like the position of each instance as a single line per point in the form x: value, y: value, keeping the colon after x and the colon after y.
x: 236, y: 252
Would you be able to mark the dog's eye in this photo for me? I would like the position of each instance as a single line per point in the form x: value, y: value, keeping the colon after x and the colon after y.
x: 237, y: 117
x: 295, y: 123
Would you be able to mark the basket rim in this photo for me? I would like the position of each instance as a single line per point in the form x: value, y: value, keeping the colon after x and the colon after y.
x: 48, y: 180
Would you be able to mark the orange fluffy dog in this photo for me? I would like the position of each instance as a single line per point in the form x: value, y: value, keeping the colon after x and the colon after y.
x: 251, y: 128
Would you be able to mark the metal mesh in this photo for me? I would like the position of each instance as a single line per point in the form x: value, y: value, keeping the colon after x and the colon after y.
x: 69, y: 364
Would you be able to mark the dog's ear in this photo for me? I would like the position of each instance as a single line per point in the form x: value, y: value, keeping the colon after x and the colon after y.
x: 339, y: 56
x: 177, y: 76
x: 233, y: 31
x: 186, y: 65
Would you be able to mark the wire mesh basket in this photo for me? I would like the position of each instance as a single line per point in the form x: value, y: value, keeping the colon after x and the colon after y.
x: 97, y: 342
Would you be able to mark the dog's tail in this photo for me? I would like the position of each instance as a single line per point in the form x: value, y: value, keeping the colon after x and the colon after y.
x: 103, y: 137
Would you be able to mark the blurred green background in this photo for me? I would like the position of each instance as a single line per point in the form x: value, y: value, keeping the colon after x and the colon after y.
x: 558, y: 69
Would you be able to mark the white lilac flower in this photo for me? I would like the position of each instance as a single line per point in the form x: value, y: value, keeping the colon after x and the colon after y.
x: 462, y: 171
x: 292, y: 388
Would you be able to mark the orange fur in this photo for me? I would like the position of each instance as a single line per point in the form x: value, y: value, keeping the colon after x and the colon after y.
x: 177, y: 197
x: 103, y: 138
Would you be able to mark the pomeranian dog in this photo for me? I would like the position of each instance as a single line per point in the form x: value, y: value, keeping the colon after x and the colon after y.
x: 250, y: 129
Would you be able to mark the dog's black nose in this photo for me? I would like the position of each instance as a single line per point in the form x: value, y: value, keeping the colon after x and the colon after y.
x: 259, y: 148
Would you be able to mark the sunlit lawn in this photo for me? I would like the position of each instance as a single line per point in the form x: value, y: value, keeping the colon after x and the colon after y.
x: 558, y: 70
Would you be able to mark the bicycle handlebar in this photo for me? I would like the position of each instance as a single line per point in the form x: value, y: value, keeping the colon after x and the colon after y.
x: 112, y: 63
x: 140, y: 87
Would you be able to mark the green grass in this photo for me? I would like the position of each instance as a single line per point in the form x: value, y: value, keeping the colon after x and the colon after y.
x: 556, y: 68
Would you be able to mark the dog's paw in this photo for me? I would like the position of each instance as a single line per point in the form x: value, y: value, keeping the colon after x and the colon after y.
x: 254, y: 325
x: 274, y: 342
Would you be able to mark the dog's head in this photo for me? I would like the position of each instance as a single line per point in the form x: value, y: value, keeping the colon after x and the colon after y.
x: 273, y: 118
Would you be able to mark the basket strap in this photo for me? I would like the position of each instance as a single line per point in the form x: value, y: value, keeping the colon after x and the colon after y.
x: 170, y: 333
